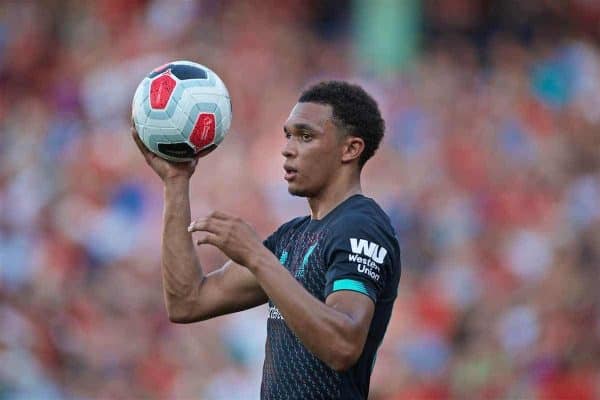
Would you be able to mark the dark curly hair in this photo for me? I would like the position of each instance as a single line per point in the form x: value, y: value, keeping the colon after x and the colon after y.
x: 353, y: 109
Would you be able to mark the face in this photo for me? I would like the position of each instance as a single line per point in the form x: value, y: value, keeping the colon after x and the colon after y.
x: 313, y: 149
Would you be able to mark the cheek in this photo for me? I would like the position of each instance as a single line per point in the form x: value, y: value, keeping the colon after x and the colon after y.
x: 320, y: 167
x: 318, y: 162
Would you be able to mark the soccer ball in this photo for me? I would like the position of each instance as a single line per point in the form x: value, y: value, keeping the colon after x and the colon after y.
x: 180, y: 109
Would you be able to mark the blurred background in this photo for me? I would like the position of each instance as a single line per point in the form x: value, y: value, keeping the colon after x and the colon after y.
x: 490, y: 171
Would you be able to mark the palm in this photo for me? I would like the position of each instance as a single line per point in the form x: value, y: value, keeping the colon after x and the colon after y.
x: 166, y: 169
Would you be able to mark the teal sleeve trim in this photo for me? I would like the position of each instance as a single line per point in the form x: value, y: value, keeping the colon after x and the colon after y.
x: 350, y: 284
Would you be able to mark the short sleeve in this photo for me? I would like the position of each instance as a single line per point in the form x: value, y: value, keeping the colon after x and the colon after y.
x: 271, y: 241
x: 358, y: 257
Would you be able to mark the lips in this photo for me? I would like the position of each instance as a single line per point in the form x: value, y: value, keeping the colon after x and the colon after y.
x: 290, y: 173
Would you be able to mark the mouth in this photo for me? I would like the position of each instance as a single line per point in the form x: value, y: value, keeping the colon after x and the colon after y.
x: 290, y: 173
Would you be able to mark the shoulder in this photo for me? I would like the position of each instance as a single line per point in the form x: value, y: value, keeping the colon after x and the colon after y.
x: 282, y: 234
x: 362, y: 214
x: 291, y: 225
x: 294, y: 223
x: 362, y: 244
x: 362, y: 223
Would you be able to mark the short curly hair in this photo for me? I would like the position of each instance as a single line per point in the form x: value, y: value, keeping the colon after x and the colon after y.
x: 353, y: 109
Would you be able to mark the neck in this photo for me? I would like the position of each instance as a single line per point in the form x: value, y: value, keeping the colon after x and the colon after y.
x: 331, y: 197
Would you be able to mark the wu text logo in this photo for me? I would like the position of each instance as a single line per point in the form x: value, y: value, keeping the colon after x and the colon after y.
x: 369, y: 249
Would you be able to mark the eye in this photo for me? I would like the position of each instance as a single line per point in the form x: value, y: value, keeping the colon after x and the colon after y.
x: 287, y: 135
x: 306, y: 137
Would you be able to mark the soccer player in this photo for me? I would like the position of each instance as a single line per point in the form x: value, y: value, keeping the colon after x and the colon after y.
x: 330, y: 278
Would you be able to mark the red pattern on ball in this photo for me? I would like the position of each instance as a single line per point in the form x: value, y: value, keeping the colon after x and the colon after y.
x: 161, y: 89
x: 203, y: 133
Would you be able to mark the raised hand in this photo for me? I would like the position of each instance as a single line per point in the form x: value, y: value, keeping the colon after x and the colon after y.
x: 165, y: 169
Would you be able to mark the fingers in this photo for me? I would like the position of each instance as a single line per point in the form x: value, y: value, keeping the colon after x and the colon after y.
x: 206, y: 151
x: 209, y: 224
x: 216, y: 217
x: 200, y: 224
x: 212, y: 231
x: 141, y: 146
x: 220, y: 215
x: 209, y: 238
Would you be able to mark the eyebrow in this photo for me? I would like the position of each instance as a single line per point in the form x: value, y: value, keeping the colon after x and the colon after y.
x: 301, y: 126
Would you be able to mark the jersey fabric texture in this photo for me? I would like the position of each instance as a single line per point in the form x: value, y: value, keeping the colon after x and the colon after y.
x: 352, y: 248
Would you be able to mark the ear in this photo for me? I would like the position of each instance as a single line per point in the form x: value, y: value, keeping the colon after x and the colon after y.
x: 352, y: 149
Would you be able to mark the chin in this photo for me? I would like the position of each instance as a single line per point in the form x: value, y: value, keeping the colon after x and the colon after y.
x: 300, y: 192
x: 296, y: 192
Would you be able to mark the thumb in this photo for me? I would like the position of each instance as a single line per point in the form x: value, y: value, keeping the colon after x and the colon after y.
x: 148, y: 155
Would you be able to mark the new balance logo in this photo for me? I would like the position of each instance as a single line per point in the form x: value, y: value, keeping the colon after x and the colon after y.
x: 369, y: 249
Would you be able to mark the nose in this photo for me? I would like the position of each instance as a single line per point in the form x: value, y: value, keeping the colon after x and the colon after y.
x: 289, y: 150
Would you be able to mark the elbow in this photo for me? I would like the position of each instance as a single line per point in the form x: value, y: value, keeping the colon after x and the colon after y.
x: 346, y: 347
x: 344, y: 357
x: 179, y: 319
x: 180, y: 313
x: 184, y: 309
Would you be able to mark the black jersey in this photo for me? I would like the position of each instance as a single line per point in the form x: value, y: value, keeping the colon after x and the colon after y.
x: 352, y: 248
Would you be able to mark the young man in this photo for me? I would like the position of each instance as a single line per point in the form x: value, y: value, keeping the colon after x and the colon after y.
x: 330, y: 278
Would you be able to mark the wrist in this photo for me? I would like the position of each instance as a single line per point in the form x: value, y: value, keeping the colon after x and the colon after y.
x: 260, y: 261
x: 176, y: 180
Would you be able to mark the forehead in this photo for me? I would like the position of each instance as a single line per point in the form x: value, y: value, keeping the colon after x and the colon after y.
x: 312, y: 114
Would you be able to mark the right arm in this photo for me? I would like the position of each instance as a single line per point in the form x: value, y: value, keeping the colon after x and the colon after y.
x: 189, y: 294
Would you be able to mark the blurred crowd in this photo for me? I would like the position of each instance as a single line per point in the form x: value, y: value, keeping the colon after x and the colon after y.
x: 490, y: 171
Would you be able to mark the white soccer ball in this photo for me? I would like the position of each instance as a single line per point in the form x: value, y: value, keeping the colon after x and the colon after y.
x: 180, y: 109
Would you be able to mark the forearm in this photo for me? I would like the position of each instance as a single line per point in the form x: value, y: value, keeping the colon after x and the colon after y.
x: 309, y: 318
x: 181, y: 272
